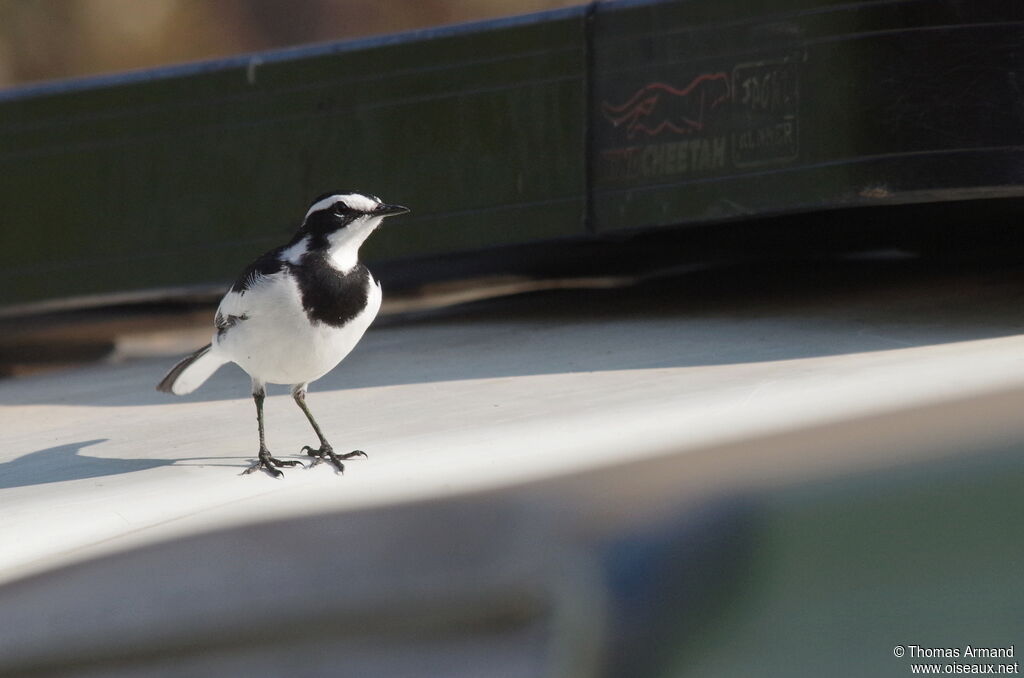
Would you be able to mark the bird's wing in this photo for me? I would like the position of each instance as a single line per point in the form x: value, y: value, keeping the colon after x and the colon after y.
x: 238, y: 304
x: 232, y: 310
x: 229, y: 313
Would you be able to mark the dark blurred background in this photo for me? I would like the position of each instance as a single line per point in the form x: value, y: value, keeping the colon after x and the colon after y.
x: 54, y: 39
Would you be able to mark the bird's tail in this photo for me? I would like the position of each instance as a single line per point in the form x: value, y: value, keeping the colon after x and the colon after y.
x: 190, y: 373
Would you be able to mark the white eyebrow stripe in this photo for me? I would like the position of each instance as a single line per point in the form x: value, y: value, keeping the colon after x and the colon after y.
x: 359, y: 202
x: 324, y: 204
x: 353, y: 200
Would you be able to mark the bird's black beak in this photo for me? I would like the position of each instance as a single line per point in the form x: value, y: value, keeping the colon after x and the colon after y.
x: 383, y: 210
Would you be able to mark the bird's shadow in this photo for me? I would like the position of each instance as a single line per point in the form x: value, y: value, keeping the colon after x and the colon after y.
x: 64, y: 462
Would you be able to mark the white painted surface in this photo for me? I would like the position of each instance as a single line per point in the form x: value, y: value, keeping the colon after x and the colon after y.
x: 94, y: 460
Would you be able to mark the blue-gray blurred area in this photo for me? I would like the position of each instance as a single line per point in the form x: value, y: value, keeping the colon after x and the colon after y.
x: 828, y: 577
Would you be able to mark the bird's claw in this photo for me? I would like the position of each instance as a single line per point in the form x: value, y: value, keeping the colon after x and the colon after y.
x: 325, y: 452
x: 267, y: 462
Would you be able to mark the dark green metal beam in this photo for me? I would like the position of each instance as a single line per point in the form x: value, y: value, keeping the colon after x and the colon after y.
x: 178, y: 176
x: 613, y: 116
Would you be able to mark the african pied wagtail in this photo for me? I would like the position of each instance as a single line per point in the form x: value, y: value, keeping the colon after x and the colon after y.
x: 295, y: 313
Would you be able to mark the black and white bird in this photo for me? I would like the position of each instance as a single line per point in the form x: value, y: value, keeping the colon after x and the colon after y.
x: 295, y: 313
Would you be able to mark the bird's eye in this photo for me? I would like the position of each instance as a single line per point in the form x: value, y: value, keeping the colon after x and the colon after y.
x: 340, y: 207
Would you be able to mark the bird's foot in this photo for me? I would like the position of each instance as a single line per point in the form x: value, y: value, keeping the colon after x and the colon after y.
x: 326, y: 453
x: 267, y: 462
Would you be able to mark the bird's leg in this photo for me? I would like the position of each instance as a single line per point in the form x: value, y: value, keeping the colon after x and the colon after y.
x: 266, y: 461
x: 325, y: 451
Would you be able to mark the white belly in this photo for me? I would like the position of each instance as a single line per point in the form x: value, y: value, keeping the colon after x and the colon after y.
x: 277, y: 344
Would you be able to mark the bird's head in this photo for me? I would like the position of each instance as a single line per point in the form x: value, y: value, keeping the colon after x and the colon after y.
x: 340, y: 222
